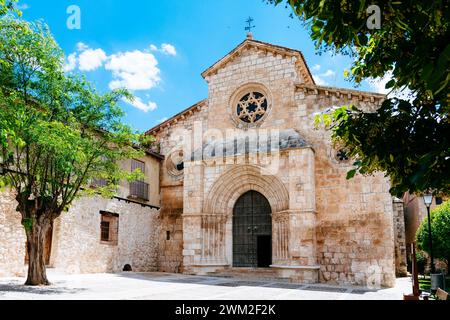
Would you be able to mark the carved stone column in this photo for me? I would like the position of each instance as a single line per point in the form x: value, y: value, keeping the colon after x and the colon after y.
x: 280, y: 238
x: 213, y: 239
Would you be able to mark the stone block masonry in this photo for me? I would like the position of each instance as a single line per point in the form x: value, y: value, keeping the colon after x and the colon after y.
x: 12, y: 238
x: 324, y: 227
x: 76, y: 245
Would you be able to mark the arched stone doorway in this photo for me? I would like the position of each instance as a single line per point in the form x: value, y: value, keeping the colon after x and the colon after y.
x: 252, y: 231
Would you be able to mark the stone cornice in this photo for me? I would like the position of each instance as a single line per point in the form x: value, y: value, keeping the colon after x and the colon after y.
x: 179, y: 116
x: 338, y: 92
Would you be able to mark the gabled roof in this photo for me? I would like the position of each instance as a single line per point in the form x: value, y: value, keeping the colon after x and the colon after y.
x: 308, y: 85
x: 266, y: 47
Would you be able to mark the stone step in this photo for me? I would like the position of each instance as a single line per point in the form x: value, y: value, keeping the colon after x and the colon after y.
x: 263, y: 274
x: 254, y: 278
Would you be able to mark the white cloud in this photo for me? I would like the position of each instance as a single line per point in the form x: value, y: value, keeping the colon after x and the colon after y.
x: 319, y: 81
x: 162, y: 120
x: 71, y: 63
x: 139, y: 104
x: 328, y: 73
x: 168, y: 49
x: 379, y: 86
x: 91, y: 59
x: 134, y: 70
x: 82, y: 46
x: 22, y: 6
x: 316, y: 67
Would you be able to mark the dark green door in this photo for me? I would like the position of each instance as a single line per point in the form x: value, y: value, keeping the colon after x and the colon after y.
x: 252, y: 231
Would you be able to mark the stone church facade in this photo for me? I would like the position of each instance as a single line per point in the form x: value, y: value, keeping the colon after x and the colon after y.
x: 247, y: 184
x: 317, y: 226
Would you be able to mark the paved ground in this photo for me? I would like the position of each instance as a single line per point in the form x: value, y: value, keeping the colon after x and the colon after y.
x: 163, y: 286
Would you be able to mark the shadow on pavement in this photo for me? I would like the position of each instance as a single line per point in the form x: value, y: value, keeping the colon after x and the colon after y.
x: 15, y: 287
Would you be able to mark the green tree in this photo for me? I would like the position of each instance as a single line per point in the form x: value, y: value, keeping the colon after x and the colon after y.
x: 56, y: 133
x: 409, y: 140
x: 440, y: 233
x: 7, y: 5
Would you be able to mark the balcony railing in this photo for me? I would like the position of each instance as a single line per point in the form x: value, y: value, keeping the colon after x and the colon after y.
x: 139, y: 190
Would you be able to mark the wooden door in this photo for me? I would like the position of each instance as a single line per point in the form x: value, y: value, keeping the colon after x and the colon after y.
x: 252, y: 231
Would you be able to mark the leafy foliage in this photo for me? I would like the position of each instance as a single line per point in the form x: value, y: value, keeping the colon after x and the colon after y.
x: 56, y: 131
x: 409, y: 140
x: 7, y: 5
x: 440, y: 232
x: 421, y: 262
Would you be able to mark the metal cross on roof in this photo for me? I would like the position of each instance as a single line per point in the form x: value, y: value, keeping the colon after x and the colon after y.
x: 250, y: 26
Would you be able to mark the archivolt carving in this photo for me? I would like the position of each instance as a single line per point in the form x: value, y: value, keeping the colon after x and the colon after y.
x: 240, y: 179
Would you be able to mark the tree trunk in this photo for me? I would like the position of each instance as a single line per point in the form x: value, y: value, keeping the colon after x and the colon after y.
x: 36, y: 234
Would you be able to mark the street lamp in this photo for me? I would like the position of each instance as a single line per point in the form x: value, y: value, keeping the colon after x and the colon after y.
x: 428, y: 199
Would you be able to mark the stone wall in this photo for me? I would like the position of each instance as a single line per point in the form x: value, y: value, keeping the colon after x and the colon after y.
x: 355, y: 233
x: 170, y: 258
x: 12, y: 238
x: 399, y: 239
x: 172, y: 139
x: 76, y: 246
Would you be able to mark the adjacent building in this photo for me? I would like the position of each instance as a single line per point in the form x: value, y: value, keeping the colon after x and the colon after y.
x: 96, y: 234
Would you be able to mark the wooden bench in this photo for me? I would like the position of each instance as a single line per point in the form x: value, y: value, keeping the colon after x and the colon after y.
x: 441, y: 294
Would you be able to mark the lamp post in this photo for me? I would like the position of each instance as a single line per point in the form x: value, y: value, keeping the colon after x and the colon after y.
x: 428, y: 199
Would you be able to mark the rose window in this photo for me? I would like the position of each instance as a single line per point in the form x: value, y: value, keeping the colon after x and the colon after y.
x: 252, y: 107
x: 175, y: 163
x: 342, y: 155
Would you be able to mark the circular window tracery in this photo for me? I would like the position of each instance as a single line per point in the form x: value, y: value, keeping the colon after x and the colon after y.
x: 342, y: 155
x: 175, y: 163
x: 252, y: 107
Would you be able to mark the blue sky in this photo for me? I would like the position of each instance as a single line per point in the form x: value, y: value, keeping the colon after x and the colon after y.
x: 158, y: 49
